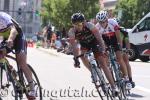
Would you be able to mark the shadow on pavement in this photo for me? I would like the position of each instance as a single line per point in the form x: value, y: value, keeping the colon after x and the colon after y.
x: 135, y: 96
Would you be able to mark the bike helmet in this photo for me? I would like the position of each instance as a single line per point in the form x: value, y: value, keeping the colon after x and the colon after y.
x: 117, y: 20
x: 77, y: 17
x: 101, y: 16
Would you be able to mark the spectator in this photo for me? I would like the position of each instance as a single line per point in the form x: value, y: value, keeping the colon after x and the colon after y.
x: 53, y: 39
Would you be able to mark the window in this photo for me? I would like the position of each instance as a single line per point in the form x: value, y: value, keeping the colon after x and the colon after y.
x: 6, y: 5
x: 143, y: 26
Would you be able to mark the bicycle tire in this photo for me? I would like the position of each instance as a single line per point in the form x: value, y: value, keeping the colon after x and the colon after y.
x: 103, y: 82
x: 24, y: 82
x: 95, y: 82
x: 38, y: 82
x: 118, y: 80
x: 38, y: 87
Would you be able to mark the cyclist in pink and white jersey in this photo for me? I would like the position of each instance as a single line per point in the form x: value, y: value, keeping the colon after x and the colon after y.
x: 109, y: 29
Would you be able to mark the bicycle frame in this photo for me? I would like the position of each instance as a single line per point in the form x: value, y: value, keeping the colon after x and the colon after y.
x: 97, y: 75
x: 5, y: 67
x: 20, y: 84
x: 115, y: 67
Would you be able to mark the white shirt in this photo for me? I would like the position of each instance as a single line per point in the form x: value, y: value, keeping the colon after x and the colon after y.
x: 111, y: 27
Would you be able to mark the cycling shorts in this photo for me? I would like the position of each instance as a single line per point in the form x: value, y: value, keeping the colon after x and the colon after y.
x: 111, y: 41
x: 92, y: 46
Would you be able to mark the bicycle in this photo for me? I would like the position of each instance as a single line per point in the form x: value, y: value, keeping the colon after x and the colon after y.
x: 117, y: 74
x: 98, y: 77
x: 15, y: 80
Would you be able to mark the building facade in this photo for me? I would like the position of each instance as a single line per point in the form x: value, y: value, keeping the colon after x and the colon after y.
x: 26, y: 12
x: 107, y: 4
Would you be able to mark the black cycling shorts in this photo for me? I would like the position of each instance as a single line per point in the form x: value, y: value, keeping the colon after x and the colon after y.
x: 92, y: 46
x: 112, y: 40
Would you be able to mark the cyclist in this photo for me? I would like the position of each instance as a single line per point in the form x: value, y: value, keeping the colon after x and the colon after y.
x: 109, y: 29
x: 126, y: 46
x: 86, y: 34
x: 12, y: 32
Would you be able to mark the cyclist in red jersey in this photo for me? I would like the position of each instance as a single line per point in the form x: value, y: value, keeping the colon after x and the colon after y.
x: 109, y: 29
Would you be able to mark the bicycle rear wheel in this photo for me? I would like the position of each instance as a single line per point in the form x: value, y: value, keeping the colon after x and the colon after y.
x: 118, y: 80
x: 8, y: 89
x: 104, y: 85
x: 38, y: 88
x: 97, y: 84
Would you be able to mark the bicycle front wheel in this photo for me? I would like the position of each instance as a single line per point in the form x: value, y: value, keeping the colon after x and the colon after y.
x: 38, y: 87
x: 8, y: 89
x: 24, y: 82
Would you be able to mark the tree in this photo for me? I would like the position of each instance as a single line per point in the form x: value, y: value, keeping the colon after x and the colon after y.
x: 128, y: 12
x: 132, y: 11
x: 59, y: 11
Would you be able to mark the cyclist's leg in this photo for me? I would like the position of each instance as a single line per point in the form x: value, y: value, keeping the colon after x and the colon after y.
x: 21, y: 58
x: 103, y: 64
x: 122, y: 64
x: 84, y: 59
x: 119, y: 56
x: 126, y: 60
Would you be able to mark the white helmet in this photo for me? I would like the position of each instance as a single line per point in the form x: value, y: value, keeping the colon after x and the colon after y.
x: 101, y: 16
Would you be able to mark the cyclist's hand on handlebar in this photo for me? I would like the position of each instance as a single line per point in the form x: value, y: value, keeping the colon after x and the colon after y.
x: 76, y: 62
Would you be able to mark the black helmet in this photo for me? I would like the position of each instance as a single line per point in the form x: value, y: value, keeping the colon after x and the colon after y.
x: 77, y: 17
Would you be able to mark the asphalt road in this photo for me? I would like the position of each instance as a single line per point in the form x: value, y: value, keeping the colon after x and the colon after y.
x: 61, y: 81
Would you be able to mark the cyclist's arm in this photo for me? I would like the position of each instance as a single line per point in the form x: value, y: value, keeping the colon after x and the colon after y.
x: 13, y: 33
x: 127, y: 43
x: 117, y: 32
x: 98, y: 36
x: 73, y: 42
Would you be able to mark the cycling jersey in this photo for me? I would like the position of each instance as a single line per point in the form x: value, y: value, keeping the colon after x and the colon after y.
x: 108, y: 33
x: 85, y: 37
x: 5, y: 22
x: 124, y: 34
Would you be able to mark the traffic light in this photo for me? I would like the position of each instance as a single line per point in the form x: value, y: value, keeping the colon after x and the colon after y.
x: 19, y: 11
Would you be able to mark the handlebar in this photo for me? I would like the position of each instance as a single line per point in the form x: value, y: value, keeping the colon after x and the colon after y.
x: 88, y: 52
x: 3, y: 45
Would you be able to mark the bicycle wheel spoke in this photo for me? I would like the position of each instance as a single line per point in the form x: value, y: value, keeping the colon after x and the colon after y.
x: 37, y: 86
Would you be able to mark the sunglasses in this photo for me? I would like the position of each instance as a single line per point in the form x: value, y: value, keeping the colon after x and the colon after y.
x: 78, y: 24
